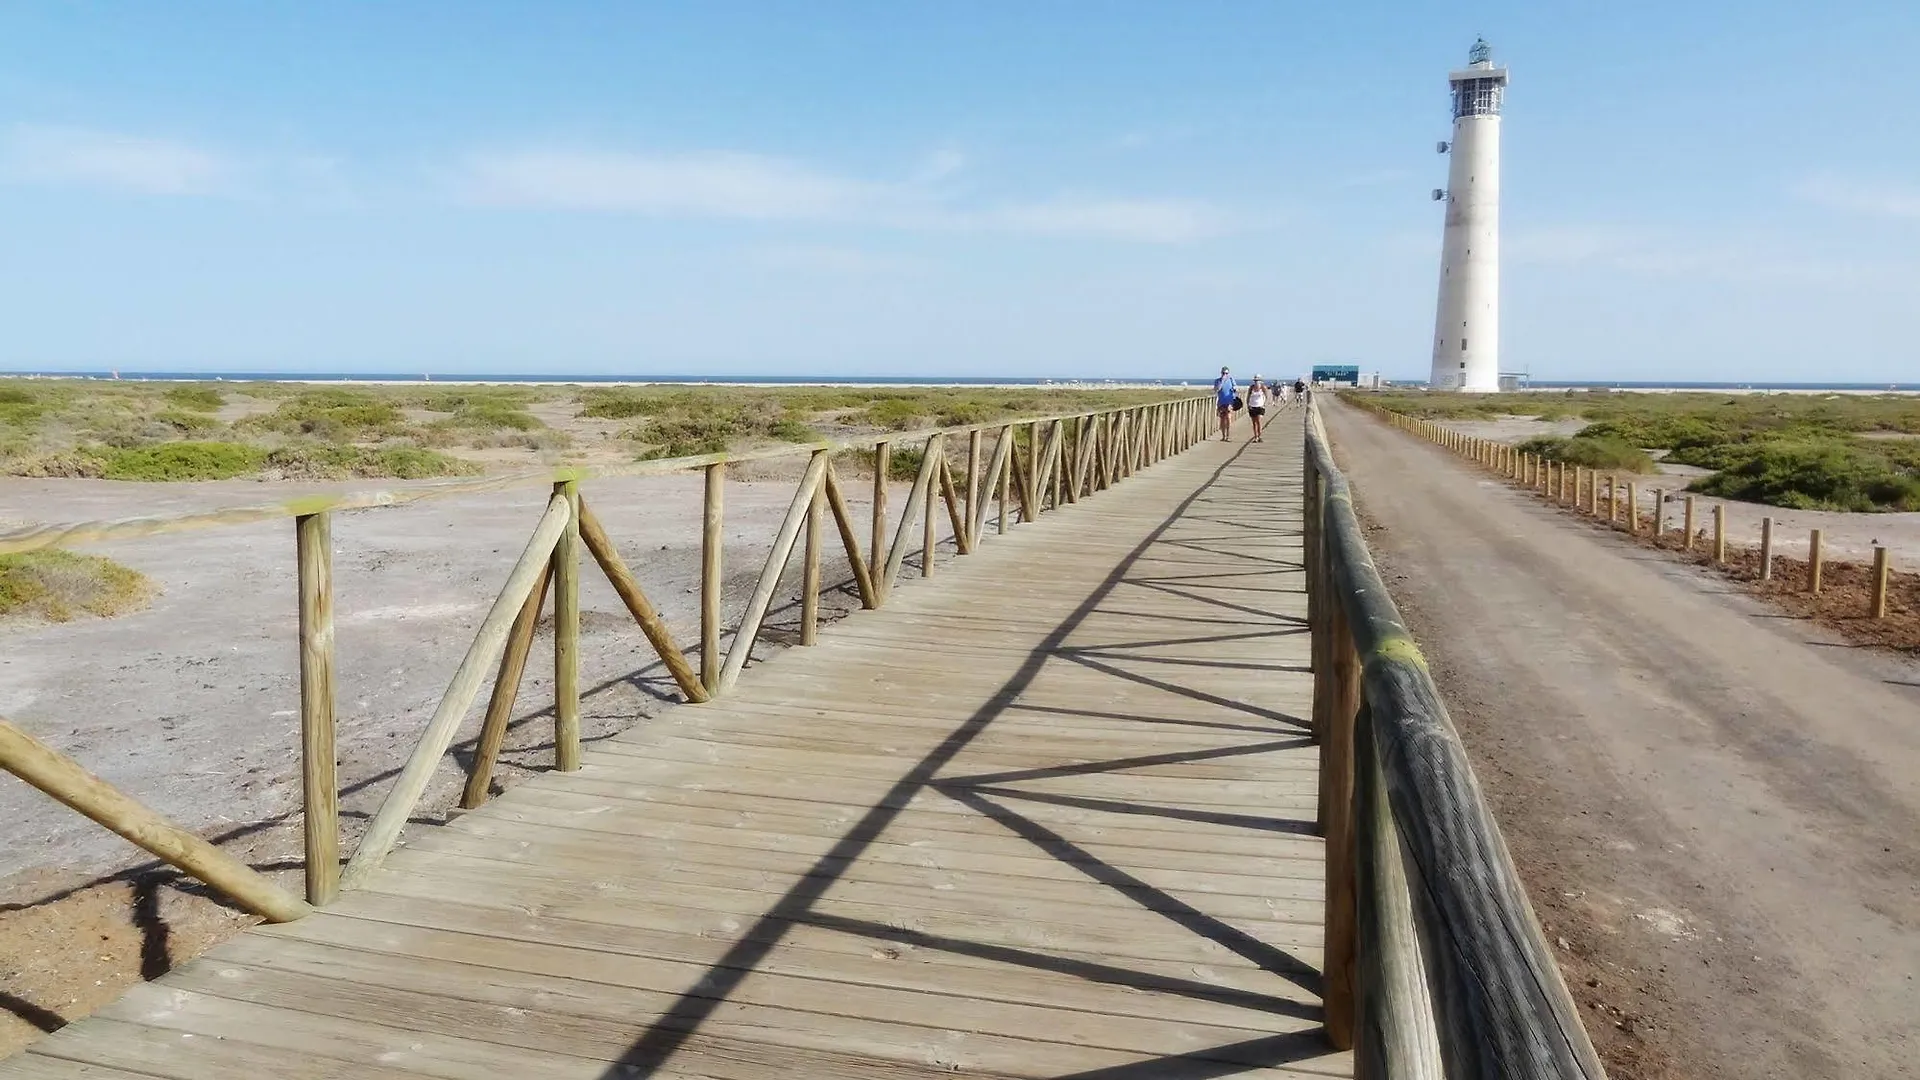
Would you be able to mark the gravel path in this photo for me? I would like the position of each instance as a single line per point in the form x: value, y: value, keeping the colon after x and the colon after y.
x: 1715, y: 810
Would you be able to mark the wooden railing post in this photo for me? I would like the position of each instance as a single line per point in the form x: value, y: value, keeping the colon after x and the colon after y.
x: 882, y: 465
x: 319, y: 766
x: 712, y: 550
x: 1766, y: 548
x: 810, y: 569
x: 1882, y: 570
x: 566, y: 634
x: 1689, y: 523
x: 1006, y: 449
x: 1719, y: 534
x: 1336, y: 783
x: 973, y: 485
x: 1815, y: 560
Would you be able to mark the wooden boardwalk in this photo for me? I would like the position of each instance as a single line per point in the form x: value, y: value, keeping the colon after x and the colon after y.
x: 1047, y: 814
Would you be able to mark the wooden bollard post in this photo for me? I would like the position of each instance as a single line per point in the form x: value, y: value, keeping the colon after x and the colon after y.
x: 566, y: 634
x: 1579, y: 477
x: 1877, y: 606
x: 1633, y: 508
x: 1689, y: 523
x: 1766, y: 549
x: 1815, y: 557
x: 1610, y: 500
x: 1659, y: 514
x: 1719, y: 534
x: 319, y: 762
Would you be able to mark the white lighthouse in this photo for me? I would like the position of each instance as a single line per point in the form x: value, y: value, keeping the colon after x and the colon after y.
x: 1466, y: 332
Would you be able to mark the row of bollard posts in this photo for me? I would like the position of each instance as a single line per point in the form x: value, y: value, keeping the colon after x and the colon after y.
x: 1582, y: 493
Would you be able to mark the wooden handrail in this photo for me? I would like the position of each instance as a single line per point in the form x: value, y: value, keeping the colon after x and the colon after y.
x: 1070, y: 463
x: 1499, y: 1008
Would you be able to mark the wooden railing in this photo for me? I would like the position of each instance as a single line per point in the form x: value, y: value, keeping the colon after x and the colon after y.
x: 1036, y: 465
x: 1435, y: 965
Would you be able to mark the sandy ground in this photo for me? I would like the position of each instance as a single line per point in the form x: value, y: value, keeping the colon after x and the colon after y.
x: 1713, y: 807
x: 191, y: 705
x: 1847, y: 536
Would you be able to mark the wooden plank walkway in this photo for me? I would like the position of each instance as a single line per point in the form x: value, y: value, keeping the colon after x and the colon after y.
x: 1048, y: 814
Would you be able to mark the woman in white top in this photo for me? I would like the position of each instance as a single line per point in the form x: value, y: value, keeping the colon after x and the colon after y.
x: 1257, y: 396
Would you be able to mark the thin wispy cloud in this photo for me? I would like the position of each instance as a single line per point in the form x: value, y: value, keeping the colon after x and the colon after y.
x: 114, y: 161
x: 751, y: 187
x: 1871, y: 198
x: 823, y: 258
x: 1661, y: 254
x: 743, y: 186
x: 1160, y: 221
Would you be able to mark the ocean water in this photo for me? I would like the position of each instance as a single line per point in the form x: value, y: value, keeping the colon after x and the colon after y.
x: 1202, y: 379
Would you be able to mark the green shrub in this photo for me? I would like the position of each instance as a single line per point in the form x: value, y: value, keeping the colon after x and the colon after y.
x: 56, y: 585
x: 961, y: 413
x: 622, y: 403
x: 20, y: 407
x: 687, y: 436
x: 1814, y: 474
x: 333, y: 416
x: 896, y: 414
x: 180, y: 461
x: 313, y: 461
x: 788, y: 430
x: 497, y: 415
x: 904, y: 462
x: 188, y: 423
x: 1604, y: 453
x: 201, y: 398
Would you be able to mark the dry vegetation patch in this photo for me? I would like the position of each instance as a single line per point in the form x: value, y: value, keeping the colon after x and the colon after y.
x: 270, y: 431
x: 58, y: 586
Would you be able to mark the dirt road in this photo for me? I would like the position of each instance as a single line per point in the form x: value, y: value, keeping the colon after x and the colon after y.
x: 1716, y: 811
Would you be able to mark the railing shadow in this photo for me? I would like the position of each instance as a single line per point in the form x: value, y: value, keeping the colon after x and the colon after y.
x: 987, y: 795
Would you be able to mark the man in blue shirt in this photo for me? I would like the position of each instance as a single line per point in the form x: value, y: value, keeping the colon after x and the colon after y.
x: 1224, y: 391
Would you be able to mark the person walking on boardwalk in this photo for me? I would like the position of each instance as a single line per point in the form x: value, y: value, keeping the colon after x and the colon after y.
x: 1225, y: 395
x: 1257, y: 395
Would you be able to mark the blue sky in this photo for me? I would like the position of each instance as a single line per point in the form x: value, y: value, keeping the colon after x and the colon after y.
x: 1692, y: 190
